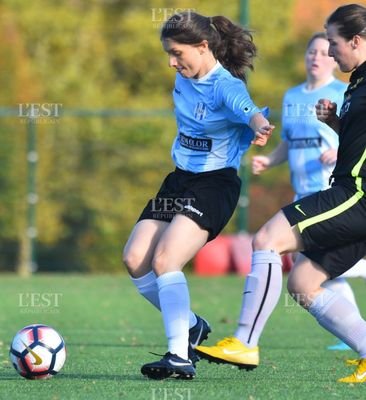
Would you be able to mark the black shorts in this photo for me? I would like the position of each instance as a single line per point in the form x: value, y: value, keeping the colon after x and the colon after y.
x: 208, y: 198
x: 332, y: 224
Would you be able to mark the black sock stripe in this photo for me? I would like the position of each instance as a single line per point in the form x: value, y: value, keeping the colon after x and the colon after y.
x: 263, y: 300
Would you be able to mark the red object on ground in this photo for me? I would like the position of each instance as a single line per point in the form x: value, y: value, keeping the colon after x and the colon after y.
x: 214, y: 258
x: 230, y: 254
x: 287, y: 263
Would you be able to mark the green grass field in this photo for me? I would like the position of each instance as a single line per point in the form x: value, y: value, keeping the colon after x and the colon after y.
x: 109, y: 331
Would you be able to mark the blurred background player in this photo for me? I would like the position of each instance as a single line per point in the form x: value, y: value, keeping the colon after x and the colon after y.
x: 327, y: 227
x: 310, y: 146
x: 216, y: 123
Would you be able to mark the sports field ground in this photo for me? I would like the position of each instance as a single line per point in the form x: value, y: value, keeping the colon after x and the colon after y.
x: 109, y: 331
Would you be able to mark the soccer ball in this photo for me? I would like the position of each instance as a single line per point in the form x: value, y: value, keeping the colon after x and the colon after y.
x: 37, y: 352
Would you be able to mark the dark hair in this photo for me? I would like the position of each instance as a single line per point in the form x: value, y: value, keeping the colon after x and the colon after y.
x: 350, y: 20
x: 317, y: 35
x: 230, y: 44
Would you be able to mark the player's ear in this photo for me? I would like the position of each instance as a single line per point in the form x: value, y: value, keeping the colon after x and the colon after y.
x: 355, y: 41
x: 203, y: 46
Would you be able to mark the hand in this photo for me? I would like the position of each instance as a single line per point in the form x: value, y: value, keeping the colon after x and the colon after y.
x: 262, y: 135
x: 329, y: 157
x: 259, y: 164
x: 326, y: 111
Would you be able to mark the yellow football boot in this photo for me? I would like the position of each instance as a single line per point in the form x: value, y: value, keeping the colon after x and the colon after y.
x: 230, y: 351
x: 359, y: 376
x: 352, y: 361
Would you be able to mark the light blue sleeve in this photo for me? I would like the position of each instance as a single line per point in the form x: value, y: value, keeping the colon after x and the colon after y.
x: 283, y: 117
x: 234, y: 96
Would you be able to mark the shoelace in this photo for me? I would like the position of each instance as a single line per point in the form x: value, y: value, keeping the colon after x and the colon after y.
x: 168, y: 354
x: 156, y: 354
x: 225, y: 341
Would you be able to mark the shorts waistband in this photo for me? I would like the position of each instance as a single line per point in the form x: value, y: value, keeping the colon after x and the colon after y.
x: 225, y: 171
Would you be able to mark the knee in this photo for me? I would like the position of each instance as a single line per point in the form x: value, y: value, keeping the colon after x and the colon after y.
x: 132, y: 260
x: 159, y: 263
x: 162, y: 263
x: 260, y: 239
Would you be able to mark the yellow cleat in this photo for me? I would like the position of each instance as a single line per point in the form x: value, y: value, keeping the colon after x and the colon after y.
x: 359, y: 376
x: 353, y: 361
x: 231, y: 351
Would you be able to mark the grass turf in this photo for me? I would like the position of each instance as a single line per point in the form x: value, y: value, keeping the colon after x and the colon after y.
x: 109, y: 331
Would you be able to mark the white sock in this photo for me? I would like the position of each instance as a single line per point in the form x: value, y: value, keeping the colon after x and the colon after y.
x: 340, y: 317
x: 341, y: 286
x: 175, y: 306
x: 262, y: 291
x: 148, y: 288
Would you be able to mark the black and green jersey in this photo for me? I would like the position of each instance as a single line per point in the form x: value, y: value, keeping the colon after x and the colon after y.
x: 351, y: 161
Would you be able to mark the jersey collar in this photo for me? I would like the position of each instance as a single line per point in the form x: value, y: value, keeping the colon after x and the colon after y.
x: 330, y: 80
x: 209, y: 73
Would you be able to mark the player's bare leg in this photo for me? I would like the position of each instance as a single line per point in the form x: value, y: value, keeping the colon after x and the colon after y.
x: 138, y: 257
x: 278, y: 235
x: 179, y: 242
x: 305, y: 280
x: 140, y: 247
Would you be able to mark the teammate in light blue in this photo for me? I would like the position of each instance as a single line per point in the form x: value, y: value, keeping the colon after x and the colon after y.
x: 216, y: 123
x: 309, y: 145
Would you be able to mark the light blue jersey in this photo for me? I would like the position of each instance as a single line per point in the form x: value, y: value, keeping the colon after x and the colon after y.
x: 212, y: 115
x: 307, y: 137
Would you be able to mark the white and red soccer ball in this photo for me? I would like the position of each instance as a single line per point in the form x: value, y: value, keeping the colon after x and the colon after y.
x: 37, y: 352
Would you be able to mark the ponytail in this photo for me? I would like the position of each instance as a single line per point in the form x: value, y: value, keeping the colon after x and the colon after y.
x: 235, y: 50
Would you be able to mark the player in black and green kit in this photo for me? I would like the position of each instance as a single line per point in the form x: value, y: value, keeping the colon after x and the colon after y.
x: 328, y: 227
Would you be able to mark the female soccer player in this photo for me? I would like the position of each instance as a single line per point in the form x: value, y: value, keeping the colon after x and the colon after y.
x: 216, y: 123
x: 310, y: 146
x: 328, y: 227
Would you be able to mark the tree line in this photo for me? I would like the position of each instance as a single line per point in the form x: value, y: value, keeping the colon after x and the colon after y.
x: 96, y: 171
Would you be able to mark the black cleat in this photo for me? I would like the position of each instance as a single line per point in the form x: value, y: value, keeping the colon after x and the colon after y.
x: 170, y: 365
